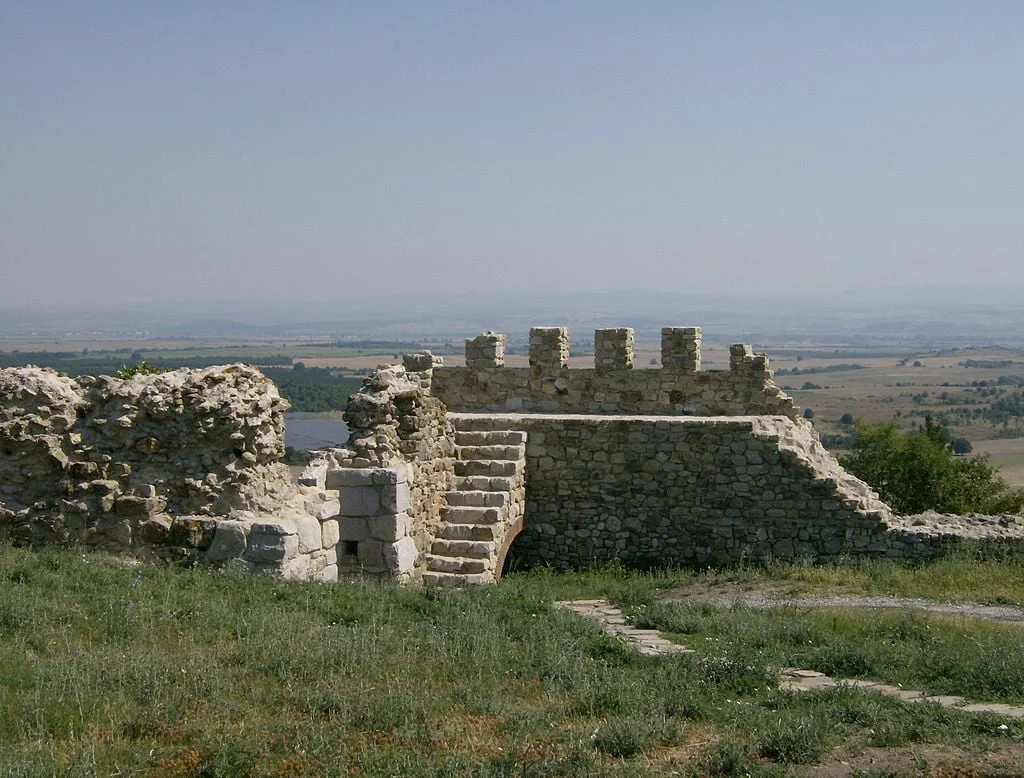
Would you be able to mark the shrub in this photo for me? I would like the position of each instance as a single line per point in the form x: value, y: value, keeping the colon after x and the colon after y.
x: 139, y: 368
x: 919, y: 471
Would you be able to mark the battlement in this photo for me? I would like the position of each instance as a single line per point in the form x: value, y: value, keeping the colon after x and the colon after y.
x: 678, y: 387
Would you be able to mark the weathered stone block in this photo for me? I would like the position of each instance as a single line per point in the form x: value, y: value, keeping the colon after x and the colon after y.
x: 229, y: 541
x: 155, y: 530
x: 371, y: 555
x: 273, y: 548
x: 394, y: 498
x: 400, y: 556
x: 330, y: 533
x: 340, y: 477
x: 192, y: 532
x: 309, y: 534
x: 315, y: 476
x: 354, y: 528
x: 360, y: 501
x: 390, y: 527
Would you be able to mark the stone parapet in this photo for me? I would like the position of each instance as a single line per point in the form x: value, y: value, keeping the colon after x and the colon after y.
x: 485, y: 350
x: 613, y: 349
x: 612, y: 386
x: 680, y: 349
x: 549, y: 348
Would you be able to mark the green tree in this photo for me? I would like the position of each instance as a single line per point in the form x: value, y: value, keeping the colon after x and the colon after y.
x: 918, y: 471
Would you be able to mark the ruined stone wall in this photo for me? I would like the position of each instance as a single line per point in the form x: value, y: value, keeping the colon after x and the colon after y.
x: 157, y: 464
x: 679, y: 387
x: 658, y: 491
x: 395, y: 473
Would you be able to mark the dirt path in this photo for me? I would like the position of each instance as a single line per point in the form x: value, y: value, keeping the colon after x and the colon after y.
x: 775, y: 596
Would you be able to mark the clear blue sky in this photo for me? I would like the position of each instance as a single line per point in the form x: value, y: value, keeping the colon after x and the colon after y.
x: 208, y: 149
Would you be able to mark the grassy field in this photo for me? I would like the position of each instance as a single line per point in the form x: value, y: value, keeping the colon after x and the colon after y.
x: 109, y: 668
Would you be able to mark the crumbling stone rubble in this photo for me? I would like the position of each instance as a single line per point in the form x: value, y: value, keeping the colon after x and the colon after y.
x: 184, y: 464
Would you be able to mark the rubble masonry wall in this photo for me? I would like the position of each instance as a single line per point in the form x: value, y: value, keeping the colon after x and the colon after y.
x: 184, y: 464
x: 612, y: 386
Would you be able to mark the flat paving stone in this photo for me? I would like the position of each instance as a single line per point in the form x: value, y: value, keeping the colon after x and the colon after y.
x: 649, y: 642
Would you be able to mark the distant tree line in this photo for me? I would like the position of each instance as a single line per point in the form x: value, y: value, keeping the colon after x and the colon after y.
x: 823, y: 369
x: 313, y: 389
x: 992, y: 363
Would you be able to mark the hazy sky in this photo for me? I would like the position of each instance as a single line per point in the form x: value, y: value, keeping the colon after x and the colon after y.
x: 211, y: 149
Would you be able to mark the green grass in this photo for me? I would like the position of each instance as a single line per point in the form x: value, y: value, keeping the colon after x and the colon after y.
x: 107, y: 668
x: 961, y: 578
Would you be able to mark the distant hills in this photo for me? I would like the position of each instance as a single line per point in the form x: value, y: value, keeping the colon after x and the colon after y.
x: 927, y: 315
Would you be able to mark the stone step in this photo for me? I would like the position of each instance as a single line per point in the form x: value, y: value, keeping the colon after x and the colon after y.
x: 482, y: 483
x: 479, y: 499
x: 490, y: 438
x: 473, y: 549
x: 470, y: 514
x: 502, y: 467
x: 437, y: 578
x: 452, y: 531
x: 466, y: 453
x: 448, y: 564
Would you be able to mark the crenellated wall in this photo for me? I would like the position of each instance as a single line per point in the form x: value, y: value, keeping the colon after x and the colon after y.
x: 447, y: 468
x: 612, y: 386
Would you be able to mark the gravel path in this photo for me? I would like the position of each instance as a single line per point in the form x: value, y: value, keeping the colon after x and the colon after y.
x: 754, y: 600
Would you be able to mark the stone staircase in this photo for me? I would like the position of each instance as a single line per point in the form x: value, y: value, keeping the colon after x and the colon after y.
x: 484, y: 512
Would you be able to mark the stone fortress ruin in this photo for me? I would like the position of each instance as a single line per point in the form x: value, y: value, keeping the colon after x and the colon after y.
x: 448, y: 468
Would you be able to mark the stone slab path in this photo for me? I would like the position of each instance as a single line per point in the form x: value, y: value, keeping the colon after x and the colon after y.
x: 650, y: 643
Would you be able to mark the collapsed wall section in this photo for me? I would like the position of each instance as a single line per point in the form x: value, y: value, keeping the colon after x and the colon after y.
x: 395, y: 473
x: 183, y: 464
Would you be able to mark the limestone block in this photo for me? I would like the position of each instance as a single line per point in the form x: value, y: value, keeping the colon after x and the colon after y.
x: 390, y: 527
x: 387, y: 476
x: 394, y: 498
x: 330, y: 533
x: 274, y: 527
x: 309, y: 534
x: 192, y: 532
x: 229, y: 541
x: 314, y: 476
x: 155, y: 530
x: 340, y: 477
x: 271, y: 547
x: 371, y: 555
x: 354, y: 528
x: 327, y: 508
x: 359, y: 501
x: 298, y: 568
x: 328, y: 575
x: 400, y: 556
